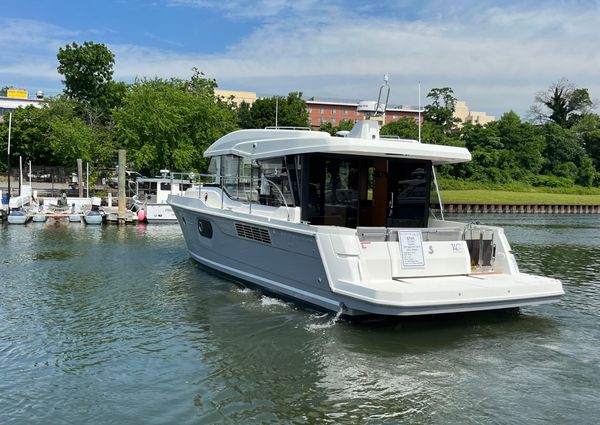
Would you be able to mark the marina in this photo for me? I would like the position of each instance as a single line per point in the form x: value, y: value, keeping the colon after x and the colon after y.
x: 117, y: 324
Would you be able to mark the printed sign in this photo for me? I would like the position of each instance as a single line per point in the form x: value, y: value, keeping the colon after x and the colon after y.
x: 17, y: 93
x: 411, y: 247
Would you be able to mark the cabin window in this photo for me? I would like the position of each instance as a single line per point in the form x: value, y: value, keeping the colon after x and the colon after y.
x: 409, y: 187
x: 235, y: 174
x: 349, y: 191
x: 266, y: 181
x: 165, y: 186
x: 332, y: 197
x: 275, y: 184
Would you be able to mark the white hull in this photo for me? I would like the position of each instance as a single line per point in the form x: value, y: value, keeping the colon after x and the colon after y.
x: 93, y: 219
x: 40, y: 218
x: 345, y: 225
x: 160, y: 213
x: 332, y: 268
x: 23, y: 219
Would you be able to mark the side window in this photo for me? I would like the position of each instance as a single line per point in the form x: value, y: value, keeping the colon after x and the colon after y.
x: 275, y: 189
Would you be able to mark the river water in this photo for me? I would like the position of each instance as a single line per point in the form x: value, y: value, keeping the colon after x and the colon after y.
x: 117, y: 325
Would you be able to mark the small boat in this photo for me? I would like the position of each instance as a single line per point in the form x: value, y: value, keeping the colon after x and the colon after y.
x: 347, y: 224
x: 150, y: 200
x: 39, y: 217
x: 74, y: 218
x: 18, y: 216
x: 94, y: 216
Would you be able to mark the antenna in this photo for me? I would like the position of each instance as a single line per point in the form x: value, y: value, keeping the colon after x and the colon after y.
x: 372, y: 108
x: 419, y: 112
x: 380, y: 105
x: 276, y: 111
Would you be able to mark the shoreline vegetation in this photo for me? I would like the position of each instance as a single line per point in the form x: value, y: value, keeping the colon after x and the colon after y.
x: 551, y: 157
x: 462, y: 192
x: 502, y: 197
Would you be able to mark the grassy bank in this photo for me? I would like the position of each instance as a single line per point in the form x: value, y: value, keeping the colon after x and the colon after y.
x: 516, y: 198
x: 515, y: 193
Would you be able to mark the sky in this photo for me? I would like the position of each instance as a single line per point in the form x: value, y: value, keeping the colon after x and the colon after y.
x: 495, y: 55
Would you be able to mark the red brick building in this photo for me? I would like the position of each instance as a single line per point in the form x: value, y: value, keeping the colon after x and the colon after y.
x: 334, y: 111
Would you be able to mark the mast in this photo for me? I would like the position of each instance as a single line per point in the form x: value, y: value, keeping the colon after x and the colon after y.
x: 8, y: 157
x: 419, y: 112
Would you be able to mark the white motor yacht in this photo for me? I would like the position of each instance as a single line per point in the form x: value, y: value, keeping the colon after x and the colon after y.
x: 346, y: 224
x: 152, y: 192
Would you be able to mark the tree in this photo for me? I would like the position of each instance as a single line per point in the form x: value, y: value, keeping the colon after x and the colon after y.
x: 169, y: 123
x: 244, y: 115
x: 87, y: 71
x: 562, y: 103
x: 29, y: 129
x: 345, y: 125
x: 441, y: 109
x: 405, y: 128
x: 291, y: 112
x: 587, y: 130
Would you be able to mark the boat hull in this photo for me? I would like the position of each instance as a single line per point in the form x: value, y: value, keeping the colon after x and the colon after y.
x: 18, y: 219
x: 159, y: 213
x: 287, y: 259
x: 93, y: 218
x: 40, y: 218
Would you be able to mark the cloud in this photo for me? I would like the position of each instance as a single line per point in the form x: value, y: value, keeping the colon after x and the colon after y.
x: 494, y: 57
x: 266, y: 9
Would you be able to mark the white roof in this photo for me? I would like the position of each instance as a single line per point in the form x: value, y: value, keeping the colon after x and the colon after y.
x: 270, y: 143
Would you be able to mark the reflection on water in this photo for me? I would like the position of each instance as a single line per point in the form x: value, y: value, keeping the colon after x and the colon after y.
x: 110, y: 324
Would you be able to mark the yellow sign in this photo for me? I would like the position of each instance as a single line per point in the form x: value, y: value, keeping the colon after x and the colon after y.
x: 18, y: 93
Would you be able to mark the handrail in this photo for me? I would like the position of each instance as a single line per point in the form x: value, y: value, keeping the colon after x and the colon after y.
x: 282, y: 196
x: 288, y: 128
x: 238, y: 178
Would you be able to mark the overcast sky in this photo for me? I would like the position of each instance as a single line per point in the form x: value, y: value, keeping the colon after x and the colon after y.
x: 494, y: 54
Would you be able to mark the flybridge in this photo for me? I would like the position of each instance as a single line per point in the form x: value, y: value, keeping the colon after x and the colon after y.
x: 363, y: 140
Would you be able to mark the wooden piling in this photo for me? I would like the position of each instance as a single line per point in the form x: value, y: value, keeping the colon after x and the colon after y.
x: 122, y: 200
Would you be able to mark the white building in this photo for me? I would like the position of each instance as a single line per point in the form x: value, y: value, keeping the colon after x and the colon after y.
x: 19, y: 98
x: 461, y: 111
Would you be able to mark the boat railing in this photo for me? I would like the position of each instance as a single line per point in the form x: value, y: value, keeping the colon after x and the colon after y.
x: 247, y: 185
x: 288, y: 128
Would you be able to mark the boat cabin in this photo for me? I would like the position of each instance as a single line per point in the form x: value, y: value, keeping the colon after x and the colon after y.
x: 333, y: 189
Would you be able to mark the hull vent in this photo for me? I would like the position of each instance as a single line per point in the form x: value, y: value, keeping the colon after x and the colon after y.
x: 253, y: 233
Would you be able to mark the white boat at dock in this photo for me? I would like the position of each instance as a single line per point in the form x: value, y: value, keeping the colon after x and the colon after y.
x: 152, y: 192
x: 95, y: 215
x: 345, y: 224
x: 18, y: 216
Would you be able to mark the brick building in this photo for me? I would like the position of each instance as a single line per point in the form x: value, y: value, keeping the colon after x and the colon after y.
x: 334, y: 111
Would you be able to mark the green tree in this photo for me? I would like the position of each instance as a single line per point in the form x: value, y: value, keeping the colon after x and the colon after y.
x: 87, y: 70
x: 292, y: 112
x: 169, y: 123
x: 327, y: 127
x: 345, y: 125
x: 28, y: 135
x: 441, y: 109
x: 587, y: 130
x: 565, y: 155
x: 405, y: 128
x: 524, y: 144
x: 562, y: 103
x: 244, y: 115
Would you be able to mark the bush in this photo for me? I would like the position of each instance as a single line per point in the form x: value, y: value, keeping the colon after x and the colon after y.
x: 549, y: 181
